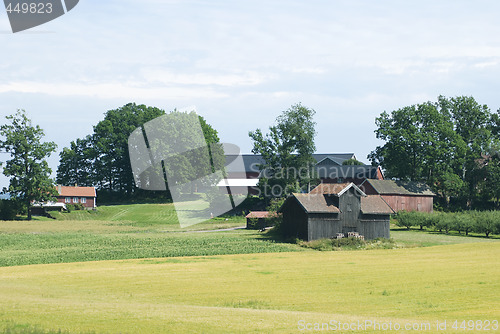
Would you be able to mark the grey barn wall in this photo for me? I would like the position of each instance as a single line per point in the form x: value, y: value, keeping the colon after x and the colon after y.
x: 296, y: 219
x: 321, y: 225
x: 350, y: 207
x: 373, y: 229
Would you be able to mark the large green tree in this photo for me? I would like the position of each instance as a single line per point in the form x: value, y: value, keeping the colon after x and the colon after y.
x: 75, y: 165
x: 27, y: 169
x: 102, y: 159
x: 287, y: 151
x: 438, y: 143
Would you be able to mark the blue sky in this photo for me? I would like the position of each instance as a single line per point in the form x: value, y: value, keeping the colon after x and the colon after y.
x: 240, y: 63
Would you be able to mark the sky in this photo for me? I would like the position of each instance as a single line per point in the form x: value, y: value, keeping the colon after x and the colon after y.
x: 239, y: 64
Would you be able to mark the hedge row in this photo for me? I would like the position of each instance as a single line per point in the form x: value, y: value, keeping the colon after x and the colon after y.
x: 487, y: 222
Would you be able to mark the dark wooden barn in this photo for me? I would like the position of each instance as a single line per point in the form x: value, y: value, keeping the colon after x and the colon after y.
x: 333, y: 208
x: 401, y: 195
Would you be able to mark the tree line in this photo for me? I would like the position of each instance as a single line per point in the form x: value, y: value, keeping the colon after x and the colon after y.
x: 101, y: 159
x: 451, y: 144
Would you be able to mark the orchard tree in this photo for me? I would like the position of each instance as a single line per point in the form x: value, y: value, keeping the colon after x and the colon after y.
x: 287, y: 151
x: 27, y: 169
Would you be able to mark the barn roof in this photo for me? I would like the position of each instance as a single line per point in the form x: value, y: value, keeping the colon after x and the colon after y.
x: 336, y: 189
x: 316, y: 203
x: 391, y: 187
x: 375, y: 205
x: 258, y: 214
x: 76, y: 191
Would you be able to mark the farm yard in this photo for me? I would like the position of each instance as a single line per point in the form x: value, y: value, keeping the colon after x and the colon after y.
x: 122, y: 269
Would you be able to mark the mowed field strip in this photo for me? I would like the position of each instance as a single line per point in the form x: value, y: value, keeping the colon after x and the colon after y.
x: 259, y: 293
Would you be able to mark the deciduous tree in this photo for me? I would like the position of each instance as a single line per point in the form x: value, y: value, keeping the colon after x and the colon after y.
x: 27, y: 169
x: 438, y: 143
x: 287, y: 151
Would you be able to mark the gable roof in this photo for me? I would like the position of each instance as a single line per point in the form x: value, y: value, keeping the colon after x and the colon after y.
x: 259, y: 214
x: 315, y: 203
x: 330, y: 161
x: 336, y: 189
x: 391, y: 187
x: 347, y: 171
x: 375, y: 205
x: 251, y: 162
x: 76, y: 191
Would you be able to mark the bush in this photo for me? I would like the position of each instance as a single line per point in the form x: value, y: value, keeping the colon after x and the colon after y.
x: 275, y: 219
x: 8, y: 210
x: 79, y: 206
x: 74, y: 207
x: 349, y: 243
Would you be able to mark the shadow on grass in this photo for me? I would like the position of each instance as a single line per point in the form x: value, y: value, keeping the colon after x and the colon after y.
x: 274, y: 235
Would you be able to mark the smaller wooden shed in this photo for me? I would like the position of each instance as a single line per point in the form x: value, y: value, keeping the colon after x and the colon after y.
x: 330, y: 209
x: 257, y: 220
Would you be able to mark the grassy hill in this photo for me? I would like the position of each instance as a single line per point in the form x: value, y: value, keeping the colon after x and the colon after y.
x: 257, y: 293
x: 139, y: 215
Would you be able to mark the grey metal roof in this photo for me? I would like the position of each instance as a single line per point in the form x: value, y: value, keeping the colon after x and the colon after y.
x: 375, y: 205
x: 349, y: 171
x: 391, y: 187
x: 316, y: 203
x: 252, y: 161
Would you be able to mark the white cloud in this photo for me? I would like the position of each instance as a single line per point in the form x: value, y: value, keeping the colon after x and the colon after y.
x: 112, y: 90
x: 167, y: 77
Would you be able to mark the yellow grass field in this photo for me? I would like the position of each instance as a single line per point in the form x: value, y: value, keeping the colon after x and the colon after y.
x: 259, y: 293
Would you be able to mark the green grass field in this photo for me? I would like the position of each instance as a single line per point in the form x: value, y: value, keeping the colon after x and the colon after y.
x: 256, y: 293
x: 144, y: 216
x: 131, y: 269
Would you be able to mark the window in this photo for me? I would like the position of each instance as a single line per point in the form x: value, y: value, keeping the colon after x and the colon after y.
x: 75, y: 199
x: 83, y: 200
x: 67, y: 200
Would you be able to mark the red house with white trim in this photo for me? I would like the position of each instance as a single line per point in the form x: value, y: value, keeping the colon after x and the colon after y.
x: 77, y: 195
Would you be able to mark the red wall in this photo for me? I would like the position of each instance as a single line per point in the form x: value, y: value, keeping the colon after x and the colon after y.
x: 409, y: 203
x: 89, y: 204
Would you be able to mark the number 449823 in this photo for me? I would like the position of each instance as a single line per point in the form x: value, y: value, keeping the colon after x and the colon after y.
x: 30, y: 7
x: 478, y: 325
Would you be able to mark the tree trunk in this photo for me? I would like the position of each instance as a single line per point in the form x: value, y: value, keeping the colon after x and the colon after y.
x: 29, y: 210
